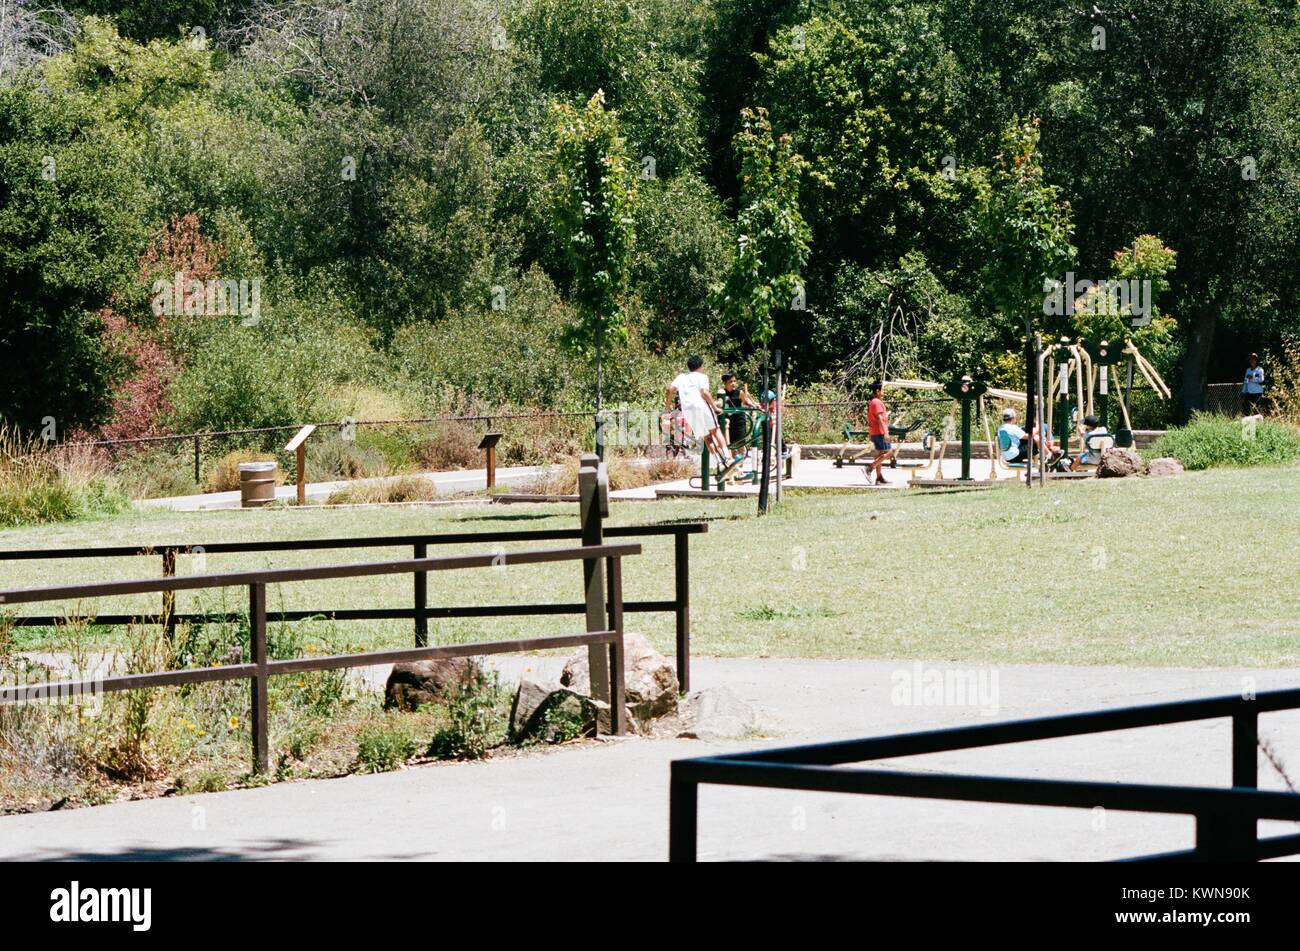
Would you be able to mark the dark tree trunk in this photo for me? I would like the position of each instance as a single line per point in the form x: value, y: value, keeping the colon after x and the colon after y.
x: 1200, y: 341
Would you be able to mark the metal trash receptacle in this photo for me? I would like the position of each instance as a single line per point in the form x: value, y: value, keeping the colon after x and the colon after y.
x: 257, y: 483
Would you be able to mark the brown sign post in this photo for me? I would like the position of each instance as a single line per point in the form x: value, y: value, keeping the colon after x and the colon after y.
x: 298, y: 445
x: 489, y: 447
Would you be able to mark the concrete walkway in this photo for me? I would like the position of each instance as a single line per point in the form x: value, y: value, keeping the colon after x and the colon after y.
x: 608, y: 800
x: 823, y: 474
x: 446, y: 483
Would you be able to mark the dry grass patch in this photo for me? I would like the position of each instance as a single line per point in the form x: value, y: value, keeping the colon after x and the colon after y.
x: 398, y: 488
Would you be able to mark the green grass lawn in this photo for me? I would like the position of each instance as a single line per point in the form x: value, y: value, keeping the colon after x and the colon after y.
x: 1198, y: 570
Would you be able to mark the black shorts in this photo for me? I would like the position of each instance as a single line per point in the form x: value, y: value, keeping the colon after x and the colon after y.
x: 881, y: 443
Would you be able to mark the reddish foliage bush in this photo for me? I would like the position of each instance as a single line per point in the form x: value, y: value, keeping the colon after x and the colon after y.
x: 142, y: 400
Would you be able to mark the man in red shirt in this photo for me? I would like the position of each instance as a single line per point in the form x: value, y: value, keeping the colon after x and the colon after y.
x: 878, y: 429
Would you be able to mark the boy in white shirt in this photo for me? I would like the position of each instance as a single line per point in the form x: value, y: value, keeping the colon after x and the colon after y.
x: 698, y: 408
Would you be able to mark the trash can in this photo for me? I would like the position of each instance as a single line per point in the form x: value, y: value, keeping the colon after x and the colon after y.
x: 256, y: 483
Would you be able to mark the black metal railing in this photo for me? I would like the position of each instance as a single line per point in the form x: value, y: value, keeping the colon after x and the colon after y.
x: 1226, y: 819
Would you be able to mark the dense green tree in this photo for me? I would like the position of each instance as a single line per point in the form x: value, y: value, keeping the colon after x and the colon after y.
x: 772, y: 237
x: 684, y: 247
x: 72, y: 224
x: 1026, y: 227
x: 146, y: 20
x: 615, y: 46
x: 594, y: 201
x: 400, y: 154
x: 740, y: 30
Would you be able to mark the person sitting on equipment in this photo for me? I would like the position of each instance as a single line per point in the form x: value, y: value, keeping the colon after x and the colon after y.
x: 691, y: 389
x: 1013, y: 441
x: 734, y: 397
x: 1054, y: 450
x: 1090, y: 457
x: 878, y: 429
x: 670, y: 425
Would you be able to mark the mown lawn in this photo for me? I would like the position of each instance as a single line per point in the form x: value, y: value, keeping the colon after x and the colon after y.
x: 1199, y: 570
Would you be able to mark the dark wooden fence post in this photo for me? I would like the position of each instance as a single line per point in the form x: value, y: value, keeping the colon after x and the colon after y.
x: 196, y: 460
x: 682, y: 609
x: 421, y: 599
x: 593, y: 506
x: 258, y: 712
x: 617, y: 656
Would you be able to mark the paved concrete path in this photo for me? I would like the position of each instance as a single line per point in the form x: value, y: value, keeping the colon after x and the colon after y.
x: 607, y: 800
x: 446, y: 483
x: 822, y: 474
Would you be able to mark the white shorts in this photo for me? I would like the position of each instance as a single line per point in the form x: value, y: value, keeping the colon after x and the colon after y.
x: 700, y: 419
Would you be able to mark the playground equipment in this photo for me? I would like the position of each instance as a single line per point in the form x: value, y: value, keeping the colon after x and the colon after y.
x: 968, y: 396
x: 854, y: 454
x: 1088, y: 365
x: 749, y: 447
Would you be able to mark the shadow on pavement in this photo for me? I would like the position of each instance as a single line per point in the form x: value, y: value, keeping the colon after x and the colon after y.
x: 279, y: 850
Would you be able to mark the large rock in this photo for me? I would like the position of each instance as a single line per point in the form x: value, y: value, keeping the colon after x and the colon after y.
x: 1165, y: 465
x: 1117, y: 463
x: 716, y: 715
x: 529, y: 699
x: 427, y: 681
x: 651, y: 681
x: 551, y: 714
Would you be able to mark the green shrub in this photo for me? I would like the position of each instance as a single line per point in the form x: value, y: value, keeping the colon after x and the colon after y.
x: 477, y: 718
x: 39, y: 485
x: 562, y: 722
x: 1211, y: 441
x: 384, y: 746
x: 395, y: 445
x: 332, y: 458
x: 203, y: 781
x: 156, y: 472
x: 401, y: 488
x: 287, y: 368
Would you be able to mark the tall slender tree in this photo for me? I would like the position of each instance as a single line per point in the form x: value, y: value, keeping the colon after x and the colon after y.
x: 594, y: 203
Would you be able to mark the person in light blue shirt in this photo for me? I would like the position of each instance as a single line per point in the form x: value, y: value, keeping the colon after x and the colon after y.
x: 1252, y: 387
x: 1012, y: 440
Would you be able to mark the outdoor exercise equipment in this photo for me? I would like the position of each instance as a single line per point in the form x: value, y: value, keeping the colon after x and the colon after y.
x: 966, y: 391
x: 1100, y: 357
x: 851, y: 453
x: 855, y: 454
x: 1089, y: 363
x: 717, y: 478
x: 968, y: 395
